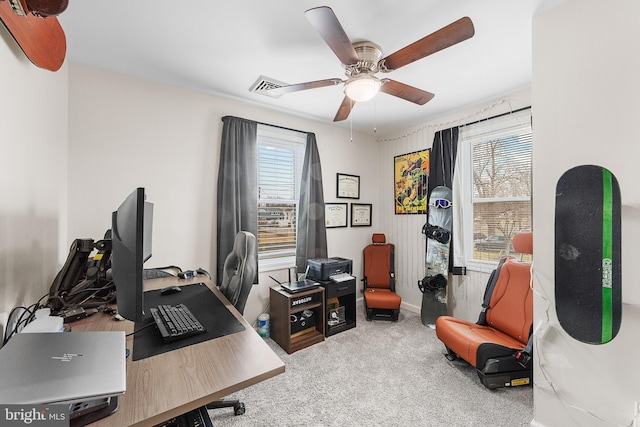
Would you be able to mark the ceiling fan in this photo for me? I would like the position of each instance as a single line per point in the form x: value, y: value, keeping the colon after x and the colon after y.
x: 362, y: 60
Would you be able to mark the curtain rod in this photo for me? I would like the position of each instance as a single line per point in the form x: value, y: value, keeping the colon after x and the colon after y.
x: 466, y: 124
x: 451, y: 122
x: 496, y: 116
x: 268, y: 124
x: 282, y: 127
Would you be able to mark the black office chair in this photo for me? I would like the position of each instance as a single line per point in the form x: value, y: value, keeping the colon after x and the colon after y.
x: 239, y: 273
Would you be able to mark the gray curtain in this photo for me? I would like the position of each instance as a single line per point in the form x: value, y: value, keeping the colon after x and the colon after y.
x: 442, y: 161
x: 311, y: 234
x: 237, y: 201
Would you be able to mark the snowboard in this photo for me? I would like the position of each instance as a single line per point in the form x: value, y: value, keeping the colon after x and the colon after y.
x: 438, y: 232
x: 588, y: 277
x: 41, y: 39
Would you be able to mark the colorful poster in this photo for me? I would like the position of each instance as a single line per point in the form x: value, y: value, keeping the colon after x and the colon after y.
x: 411, y: 175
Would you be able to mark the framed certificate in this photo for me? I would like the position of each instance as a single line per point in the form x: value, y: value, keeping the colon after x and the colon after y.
x: 335, y: 215
x: 348, y: 186
x: 360, y: 214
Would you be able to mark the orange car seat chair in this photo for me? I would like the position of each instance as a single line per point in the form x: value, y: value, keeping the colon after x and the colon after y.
x: 498, y: 345
x: 380, y: 298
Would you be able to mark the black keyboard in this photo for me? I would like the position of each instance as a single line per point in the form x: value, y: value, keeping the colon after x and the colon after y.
x: 176, y: 322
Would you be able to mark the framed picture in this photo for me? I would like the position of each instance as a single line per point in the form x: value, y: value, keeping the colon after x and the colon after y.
x: 335, y: 215
x: 347, y: 186
x: 360, y: 214
x: 411, y: 176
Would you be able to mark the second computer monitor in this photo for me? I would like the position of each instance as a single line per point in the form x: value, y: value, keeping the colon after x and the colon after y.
x: 131, y: 231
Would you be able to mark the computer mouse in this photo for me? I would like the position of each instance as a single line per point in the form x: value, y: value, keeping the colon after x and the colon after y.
x: 170, y: 290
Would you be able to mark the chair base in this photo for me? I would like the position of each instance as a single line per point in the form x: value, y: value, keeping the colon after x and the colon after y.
x: 238, y: 407
x: 499, y: 372
x: 505, y: 371
x: 506, y: 379
x: 382, y: 314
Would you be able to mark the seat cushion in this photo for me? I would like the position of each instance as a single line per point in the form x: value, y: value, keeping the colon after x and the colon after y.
x: 382, y: 298
x: 466, y: 339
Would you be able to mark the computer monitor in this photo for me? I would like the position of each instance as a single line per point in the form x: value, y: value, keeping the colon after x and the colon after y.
x: 131, y: 229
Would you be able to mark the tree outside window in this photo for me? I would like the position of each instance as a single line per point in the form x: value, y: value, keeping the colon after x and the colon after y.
x: 499, y: 187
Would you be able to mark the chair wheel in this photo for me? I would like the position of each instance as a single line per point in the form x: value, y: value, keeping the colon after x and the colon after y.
x: 238, y: 409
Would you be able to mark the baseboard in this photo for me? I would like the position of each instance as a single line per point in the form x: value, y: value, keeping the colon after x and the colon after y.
x: 410, y: 307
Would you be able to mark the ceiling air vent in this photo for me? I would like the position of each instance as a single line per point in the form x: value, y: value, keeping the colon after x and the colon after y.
x: 263, y: 84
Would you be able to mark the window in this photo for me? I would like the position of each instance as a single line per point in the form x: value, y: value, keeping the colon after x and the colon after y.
x: 280, y: 157
x: 497, y: 185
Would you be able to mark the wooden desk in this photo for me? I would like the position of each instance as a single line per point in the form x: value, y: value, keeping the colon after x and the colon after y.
x: 169, y: 384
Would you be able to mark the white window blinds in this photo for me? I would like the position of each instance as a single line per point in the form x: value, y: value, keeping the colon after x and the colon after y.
x: 498, y: 185
x: 280, y: 157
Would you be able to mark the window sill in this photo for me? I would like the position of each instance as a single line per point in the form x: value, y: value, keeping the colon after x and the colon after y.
x: 481, y: 266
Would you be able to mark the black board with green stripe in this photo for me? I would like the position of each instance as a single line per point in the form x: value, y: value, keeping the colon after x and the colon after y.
x: 588, y: 277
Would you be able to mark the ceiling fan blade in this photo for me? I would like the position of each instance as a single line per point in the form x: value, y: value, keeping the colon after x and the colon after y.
x: 344, y: 110
x: 304, y: 86
x: 327, y: 24
x: 456, y: 32
x: 406, y: 92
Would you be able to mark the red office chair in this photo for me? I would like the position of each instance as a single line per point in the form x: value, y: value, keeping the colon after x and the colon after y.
x: 498, y: 345
x: 380, y: 298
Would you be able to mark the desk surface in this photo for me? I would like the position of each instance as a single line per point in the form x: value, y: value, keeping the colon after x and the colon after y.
x: 169, y: 384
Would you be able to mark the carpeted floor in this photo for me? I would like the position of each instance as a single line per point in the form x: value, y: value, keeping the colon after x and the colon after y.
x: 379, y: 373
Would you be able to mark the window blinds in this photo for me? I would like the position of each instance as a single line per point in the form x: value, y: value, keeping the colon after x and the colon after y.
x: 280, y: 157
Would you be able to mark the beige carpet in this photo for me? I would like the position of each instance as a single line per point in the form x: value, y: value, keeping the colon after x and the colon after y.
x: 379, y: 373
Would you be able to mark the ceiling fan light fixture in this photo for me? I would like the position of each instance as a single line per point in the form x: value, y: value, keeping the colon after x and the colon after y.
x: 362, y: 88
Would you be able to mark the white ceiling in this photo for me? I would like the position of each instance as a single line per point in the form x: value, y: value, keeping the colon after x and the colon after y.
x: 222, y: 48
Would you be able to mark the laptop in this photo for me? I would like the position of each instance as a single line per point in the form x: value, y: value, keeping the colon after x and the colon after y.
x: 66, y: 367
x: 299, y: 286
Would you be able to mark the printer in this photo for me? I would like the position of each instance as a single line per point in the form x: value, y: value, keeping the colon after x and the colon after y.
x: 323, y: 268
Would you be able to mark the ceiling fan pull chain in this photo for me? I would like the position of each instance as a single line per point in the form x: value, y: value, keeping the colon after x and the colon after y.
x: 351, y: 121
x: 375, y: 116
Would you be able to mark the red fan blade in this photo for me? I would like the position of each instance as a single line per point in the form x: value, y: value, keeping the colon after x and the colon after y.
x: 445, y: 37
x: 327, y: 24
x: 41, y: 39
x: 344, y: 110
x: 406, y: 92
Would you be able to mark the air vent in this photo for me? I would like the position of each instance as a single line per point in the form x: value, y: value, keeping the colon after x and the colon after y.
x: 263, y: 84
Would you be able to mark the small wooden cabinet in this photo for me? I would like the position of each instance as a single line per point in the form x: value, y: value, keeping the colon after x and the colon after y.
x: 340, y: 305
x: 297, y: 320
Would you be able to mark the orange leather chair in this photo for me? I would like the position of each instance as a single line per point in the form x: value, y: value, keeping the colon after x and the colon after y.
x: 498, y: 344
x: 380, y: 298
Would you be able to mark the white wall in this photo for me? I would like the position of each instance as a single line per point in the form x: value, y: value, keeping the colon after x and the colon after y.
x: 585, y: 95
x: 33, y: 119
x: 405, y: 231
x: 126, y: 132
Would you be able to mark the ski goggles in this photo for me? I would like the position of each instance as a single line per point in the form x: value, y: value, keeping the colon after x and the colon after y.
x: 440, y: 203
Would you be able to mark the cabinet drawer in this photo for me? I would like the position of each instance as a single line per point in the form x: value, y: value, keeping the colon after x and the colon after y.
x: 337, y: 290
